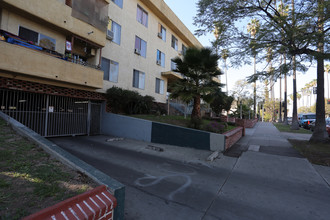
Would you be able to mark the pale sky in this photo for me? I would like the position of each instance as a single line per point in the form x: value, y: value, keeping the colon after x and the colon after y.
x: 186, y: 10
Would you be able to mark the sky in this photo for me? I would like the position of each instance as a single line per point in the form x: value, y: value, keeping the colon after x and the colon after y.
x: 187, y: 9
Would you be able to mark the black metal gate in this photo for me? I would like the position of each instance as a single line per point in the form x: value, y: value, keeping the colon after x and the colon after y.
x: 49, y: 115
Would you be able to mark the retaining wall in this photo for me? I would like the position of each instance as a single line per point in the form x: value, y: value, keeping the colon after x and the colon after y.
x: 139, y: 129
x: 233, y: 136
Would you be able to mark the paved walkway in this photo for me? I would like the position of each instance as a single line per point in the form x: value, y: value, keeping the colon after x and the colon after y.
x: 264, y: 137
x: 272, y: 181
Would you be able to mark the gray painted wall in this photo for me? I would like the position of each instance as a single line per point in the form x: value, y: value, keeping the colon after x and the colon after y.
x: 127, y: 127
x: 217, y: 142
x: 139, y: 129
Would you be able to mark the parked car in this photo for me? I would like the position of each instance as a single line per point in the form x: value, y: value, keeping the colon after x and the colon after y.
x: 327, y: 122
x: 290, y: 120
x: 307, y: 119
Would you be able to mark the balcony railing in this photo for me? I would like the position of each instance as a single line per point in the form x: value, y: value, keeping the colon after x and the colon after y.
x: 14, y: 39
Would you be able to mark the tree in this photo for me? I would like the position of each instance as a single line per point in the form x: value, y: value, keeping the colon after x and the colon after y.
x: 224, y: 56
x: 221, y: 102
x: 326, y: 70
x: 199, y: 67
x: 253, y: 29
x: 302, y: 34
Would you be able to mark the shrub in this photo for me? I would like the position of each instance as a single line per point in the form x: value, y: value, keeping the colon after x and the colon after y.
x: 195, y: 123
x: 231, y: 123
x: 128, y: 102
x: 214, y: 127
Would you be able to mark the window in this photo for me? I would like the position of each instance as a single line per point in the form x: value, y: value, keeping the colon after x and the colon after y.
x: 110, y: 69
x: 161, y: 32
x: 140, y: 47
x: 114, y: 32
x: 173, y: 65
x: 160, y: 58
x: 159, y: 86
x: 28, y: 35
x: 142, y: 16
x: 36, y: 38
x: 118, y: 2
x: 138, y: 79
x: 184, y: 49
x: 174, y: 43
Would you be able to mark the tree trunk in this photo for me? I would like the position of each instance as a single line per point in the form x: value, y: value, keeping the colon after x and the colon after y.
x: 196, y: 112
x: 320, y: 134
x: 295, y: 124
x: 285, y: 95
x: 255, y: 91
x: 327, y: 72
x: 280, y: 118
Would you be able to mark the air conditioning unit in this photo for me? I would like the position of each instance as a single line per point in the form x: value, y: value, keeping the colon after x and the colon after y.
x: 158, y: 62
x: 137, y: 51
x: 160, y: 35
x: 110, y: 35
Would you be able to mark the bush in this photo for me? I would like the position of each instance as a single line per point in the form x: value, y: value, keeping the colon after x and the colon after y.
x: 195, y: 123
x: 128, y: 102
x: 231, y: 123
x: 214, y: 127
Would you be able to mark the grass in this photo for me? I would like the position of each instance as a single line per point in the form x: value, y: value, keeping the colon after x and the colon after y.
x: 317, y: 153
x: 177, y: 120
x: 286, y: 128
x: 30, y: 180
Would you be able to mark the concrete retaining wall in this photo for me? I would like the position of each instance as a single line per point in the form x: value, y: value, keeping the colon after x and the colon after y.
x: 139, y: 129
x: 128, y: 127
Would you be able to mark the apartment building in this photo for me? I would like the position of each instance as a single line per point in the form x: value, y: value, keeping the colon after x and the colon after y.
x: 50, y: 53
x: 143, y: 37
x: 58, y: 57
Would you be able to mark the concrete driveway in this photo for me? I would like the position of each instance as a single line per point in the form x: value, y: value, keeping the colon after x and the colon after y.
x: 160, y: 185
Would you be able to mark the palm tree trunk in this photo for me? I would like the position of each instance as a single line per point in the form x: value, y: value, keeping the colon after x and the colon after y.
x: 255, y: 91
x: 320, y: 134
x: 294, y: 125
x: 196, y: 112
x: 327, y: 72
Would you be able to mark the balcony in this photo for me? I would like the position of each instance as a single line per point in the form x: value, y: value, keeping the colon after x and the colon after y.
x: 58, y: 15
x: 26, y: 62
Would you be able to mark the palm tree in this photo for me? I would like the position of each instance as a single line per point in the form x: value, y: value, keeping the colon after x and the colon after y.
x: 224, y: 56
x: 253, y: 29
x: 295, y: 124
x: 326, y: 70
x: 284, y: 13
x: 199, y: 67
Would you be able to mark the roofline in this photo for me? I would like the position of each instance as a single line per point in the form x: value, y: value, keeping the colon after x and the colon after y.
x: 166, y: 15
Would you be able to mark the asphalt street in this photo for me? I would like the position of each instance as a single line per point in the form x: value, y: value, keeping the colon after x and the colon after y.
x: 260, y: 184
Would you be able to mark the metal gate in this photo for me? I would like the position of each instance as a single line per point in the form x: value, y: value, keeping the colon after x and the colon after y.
x: 48, y: 115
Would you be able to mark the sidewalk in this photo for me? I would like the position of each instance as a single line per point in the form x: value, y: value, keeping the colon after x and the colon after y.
x: 264, y: 137
x: 271, y: 181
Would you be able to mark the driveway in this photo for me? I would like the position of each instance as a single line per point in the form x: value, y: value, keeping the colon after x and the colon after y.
x: 257, y: 185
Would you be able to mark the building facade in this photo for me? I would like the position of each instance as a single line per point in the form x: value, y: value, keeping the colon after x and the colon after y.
x: 58, y: 58
x: 143, y: 37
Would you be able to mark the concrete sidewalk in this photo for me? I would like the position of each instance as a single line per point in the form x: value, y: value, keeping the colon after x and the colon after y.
x: 272, y: 181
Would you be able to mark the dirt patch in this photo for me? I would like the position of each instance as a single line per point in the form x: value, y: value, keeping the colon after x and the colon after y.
x: 30, y: 179
x: 317, y: 153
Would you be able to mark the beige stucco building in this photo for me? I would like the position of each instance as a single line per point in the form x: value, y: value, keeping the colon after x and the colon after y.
x: 58, y: 57
x: 164, y: 37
